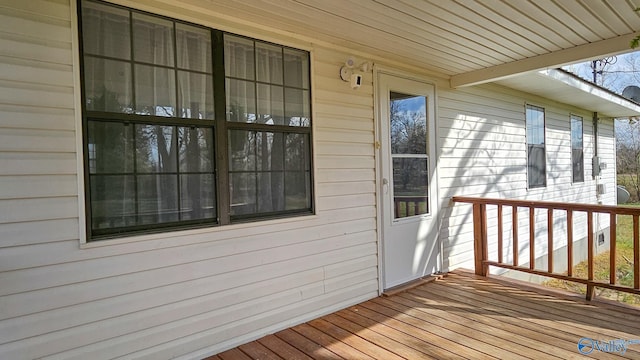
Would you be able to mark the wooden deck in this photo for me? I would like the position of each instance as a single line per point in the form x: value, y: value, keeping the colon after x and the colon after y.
x: 461, y: 316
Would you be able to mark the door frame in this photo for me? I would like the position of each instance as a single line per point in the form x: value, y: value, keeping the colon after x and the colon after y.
x: 377, y: 71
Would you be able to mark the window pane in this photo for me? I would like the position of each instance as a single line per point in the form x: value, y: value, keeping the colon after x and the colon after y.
x: 105, y: 31
x: 536, y: 159
x: 197, y: 196
x: 410, y: 186
x: 242, y: 150
x: 270, y: 151
x: 298, y: 190
x: 271, y: 191
x: 196, y: 149
x: 157, y: 198
x: 193, y: 48
x: 296, y: 153
x: 578, y: 165
x: 297, y: 107
x: 535, y: 125
x: 110, y: 147
x: 536, y: 166
x: 269, y: 63
x: 152, y: 40
x: 270, y: 104
x: 239, y: 60
x: 241, y: 101
x: 577, y: 156
x: 155, y: 91
x: 408, y: 115
x: 196, y: 95
x: 107, y: 85
x: 113, y: 201
x: 156, y: 149
x: 296, y: 68
x: 243, y: 193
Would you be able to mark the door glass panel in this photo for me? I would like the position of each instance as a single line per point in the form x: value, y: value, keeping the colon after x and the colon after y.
x: 408, y: 116
x: 410, y: 186
x: 410, y: 162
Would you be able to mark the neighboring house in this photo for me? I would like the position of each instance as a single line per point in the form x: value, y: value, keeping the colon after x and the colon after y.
x: 177, y: 178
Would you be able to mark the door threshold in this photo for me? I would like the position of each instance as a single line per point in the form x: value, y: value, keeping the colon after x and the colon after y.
x: 412, y: 284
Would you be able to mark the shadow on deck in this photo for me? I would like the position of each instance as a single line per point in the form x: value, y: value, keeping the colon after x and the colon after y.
x: 461, y: 316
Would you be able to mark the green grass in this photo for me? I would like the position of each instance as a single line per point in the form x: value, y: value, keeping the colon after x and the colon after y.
x: 624, y: 266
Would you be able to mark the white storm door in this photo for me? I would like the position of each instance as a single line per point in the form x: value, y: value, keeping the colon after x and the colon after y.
x: 408, y: 188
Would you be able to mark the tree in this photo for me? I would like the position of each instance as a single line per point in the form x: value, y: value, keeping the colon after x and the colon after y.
x: 628, y: 155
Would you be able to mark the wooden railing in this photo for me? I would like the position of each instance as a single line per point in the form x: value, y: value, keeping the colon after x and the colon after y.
x: 481, y: 241
x: 403, y: 205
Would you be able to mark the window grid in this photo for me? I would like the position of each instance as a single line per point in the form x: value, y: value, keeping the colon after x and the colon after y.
x: 132, y: 115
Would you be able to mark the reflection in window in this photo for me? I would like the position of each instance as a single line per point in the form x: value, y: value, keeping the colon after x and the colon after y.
x: 577, y: 149
x: 536, y: 155
x: 150, y: 174
x: 408, y: 116
x: 410, y: 163
x: 269, y: 172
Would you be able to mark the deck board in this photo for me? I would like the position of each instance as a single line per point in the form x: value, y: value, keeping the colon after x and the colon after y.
x: 461, y: 316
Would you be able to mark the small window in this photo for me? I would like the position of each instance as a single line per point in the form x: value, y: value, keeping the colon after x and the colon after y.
x: 577, y: 149
x: 163, y: 150
x: 536, y: 154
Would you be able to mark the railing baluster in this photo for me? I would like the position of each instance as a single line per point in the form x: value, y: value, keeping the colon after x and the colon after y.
x: 570, y: 242
x: 532, y: 237
x: 590, y: 264
x: 550, y: 240
x: 514, y: 225
x: 636, y: 253
x: 612, y: 249
x: 500, y: 234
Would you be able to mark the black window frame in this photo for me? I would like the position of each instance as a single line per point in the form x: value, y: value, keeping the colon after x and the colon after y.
x: 219, y: 125
x: 536, y: 149
x: 577, y: 152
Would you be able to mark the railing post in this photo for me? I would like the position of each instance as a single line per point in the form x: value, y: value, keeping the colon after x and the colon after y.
x: 532, y: 238
x: 612, y: 248
x: 636, y: 252
x: 590, y: 262
x: 550, y: 240
x: 481, y: 252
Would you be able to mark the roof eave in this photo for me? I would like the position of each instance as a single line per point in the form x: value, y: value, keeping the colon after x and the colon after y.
x: 565, y: 87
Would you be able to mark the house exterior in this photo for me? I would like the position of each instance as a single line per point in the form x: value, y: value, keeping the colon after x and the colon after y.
x: 178, y: 178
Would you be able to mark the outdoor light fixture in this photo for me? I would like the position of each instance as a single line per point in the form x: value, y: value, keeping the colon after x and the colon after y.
x: 348, y: 74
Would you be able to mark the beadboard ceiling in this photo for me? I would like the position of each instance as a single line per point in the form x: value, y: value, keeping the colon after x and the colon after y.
x: 471, y: 41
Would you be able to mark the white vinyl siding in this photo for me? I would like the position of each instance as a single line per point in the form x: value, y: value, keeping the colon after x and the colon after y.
x: 189, y: 293
x: 484, y: 154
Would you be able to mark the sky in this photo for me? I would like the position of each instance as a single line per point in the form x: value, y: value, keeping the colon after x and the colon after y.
x: 618, y: 72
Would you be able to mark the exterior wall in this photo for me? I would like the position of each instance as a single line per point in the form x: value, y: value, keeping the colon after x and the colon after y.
x: 483, y: 153
x: 189, y: 293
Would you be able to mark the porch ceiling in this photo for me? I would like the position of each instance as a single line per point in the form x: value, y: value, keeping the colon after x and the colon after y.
x: 471, y: 41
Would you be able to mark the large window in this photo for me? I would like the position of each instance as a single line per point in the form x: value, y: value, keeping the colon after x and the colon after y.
x: 536, y: 155
x: 187, y: 126
x: 577, y: 149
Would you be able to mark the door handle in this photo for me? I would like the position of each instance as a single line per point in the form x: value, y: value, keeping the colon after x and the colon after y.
x: 385, y: 186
